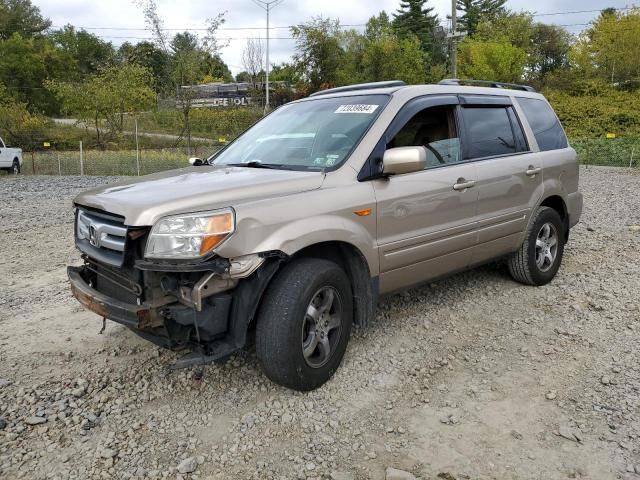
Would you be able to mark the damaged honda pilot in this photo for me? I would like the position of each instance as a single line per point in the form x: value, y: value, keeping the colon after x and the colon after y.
x: 294, y: 229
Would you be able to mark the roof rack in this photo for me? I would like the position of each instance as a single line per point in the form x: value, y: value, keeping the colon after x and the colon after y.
x: 487, y: 83
x: 360, y: 86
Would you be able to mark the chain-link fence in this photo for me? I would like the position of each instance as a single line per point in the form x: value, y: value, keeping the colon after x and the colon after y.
x: 614, y: 152
x: 107, y: 162
x: 618, y: 152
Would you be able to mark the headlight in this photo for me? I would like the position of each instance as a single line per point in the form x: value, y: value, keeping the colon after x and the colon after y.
x: 189, y: 236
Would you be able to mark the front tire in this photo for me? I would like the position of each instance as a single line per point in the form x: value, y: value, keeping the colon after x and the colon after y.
x: 304, y: 324
x: 539, y: 258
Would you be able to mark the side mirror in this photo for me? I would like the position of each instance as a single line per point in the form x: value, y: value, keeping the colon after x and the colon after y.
x: 195, y: 161
x: 401, y: 160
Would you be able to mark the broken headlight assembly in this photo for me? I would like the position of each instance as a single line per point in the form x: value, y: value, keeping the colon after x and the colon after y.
x: 190, y: 236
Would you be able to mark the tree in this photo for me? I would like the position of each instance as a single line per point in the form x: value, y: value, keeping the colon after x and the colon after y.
x: 18, y: 126
x: 318, y: 54
x: 253, y: 59
x: 610, y: 49
x: 475, y: 11
x: 87, y: 51
x: 413, y: 18
x: 24, y: 65
x: 22, y: 17
x: 552, y: 45
x: 498, y: 61
x: 391, y: 58
x: 107, y: 96
x: 378, y: 26
x: 147, y: 54
x: 193, y: 60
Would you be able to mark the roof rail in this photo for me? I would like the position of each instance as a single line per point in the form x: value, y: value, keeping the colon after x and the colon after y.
x: 360, y: 86
x: 487, y: 83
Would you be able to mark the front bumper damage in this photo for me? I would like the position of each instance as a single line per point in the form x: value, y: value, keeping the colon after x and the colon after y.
x: 206, y: 311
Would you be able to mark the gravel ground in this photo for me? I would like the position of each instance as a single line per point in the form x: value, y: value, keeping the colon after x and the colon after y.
x: 472, y: 377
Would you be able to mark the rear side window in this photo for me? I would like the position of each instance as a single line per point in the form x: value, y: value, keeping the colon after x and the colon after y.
x: 544, y: 123
x: 490, y: 132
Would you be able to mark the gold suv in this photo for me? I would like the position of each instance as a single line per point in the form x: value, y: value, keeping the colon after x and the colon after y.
x: 294, y: 229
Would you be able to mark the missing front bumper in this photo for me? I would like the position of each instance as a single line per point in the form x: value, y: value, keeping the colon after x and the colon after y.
x: 131, y: 315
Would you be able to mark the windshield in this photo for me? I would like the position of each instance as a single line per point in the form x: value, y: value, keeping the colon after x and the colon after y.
x: 314, y: 134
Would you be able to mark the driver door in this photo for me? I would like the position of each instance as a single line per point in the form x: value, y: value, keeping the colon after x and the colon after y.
x: 426, y: 219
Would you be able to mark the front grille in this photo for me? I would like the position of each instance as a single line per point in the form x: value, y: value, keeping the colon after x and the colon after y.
x: 101, y: 236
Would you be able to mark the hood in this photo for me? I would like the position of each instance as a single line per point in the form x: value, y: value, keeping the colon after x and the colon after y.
x: 143, y: 200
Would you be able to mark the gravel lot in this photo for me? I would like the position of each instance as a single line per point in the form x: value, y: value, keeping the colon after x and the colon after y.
x: 473, y: 377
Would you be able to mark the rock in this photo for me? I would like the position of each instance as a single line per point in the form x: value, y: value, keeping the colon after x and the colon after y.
x: 395, y: 474
x: 551, y: 395
x: 342, y: 476
x: 569, y: 434
x: 78, y: 392
x: 108, y: 453
x: 4, y: 382
x: 634, y: 228
x: 287, y: 418
x: 605, y: 380
x: 3, y: 424
x: 188, y: 465
x: 35, y: 420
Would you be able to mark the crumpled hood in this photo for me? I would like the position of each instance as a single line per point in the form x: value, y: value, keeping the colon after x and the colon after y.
x: 143, y: 200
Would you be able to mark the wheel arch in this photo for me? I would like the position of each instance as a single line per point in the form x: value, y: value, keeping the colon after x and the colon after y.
x: 557, y: 203
x: 364, y: 287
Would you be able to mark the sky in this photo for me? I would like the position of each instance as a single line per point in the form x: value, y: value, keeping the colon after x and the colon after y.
x: 119, y: 21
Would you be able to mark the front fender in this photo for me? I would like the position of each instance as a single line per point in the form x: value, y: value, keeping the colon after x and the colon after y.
x: 291, y: 223
x: 295, y: 236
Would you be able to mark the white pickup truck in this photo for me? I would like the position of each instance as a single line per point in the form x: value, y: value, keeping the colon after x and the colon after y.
x: 10, y: 158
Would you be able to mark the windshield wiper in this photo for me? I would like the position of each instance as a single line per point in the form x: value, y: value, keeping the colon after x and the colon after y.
x: 254, y: 164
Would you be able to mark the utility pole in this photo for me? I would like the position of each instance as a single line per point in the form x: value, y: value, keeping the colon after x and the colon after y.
x: 454, y: 46
x: 267, y: 6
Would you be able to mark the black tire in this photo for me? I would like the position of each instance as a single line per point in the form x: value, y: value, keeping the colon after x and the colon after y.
x: 523, y: 264
x: 15, y: 168
x: 284, y: 324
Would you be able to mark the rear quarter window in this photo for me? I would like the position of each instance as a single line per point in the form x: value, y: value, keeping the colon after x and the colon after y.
x: 544, y: 123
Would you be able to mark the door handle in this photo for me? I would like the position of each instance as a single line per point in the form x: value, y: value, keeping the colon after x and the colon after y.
x: 531, y: 171
x: 463, y: 184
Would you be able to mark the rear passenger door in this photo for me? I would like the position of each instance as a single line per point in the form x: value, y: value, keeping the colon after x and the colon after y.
x: 509, y: 176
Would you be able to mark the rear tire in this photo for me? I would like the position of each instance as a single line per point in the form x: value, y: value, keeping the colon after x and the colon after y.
x: 539, y: 258
x: 304, y: 323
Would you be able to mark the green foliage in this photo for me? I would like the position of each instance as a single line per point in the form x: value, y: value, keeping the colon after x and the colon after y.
x: 25, y: 63
x: 493, y: 60
x: 148, y: 55
x: 21, y: 17
x: 476, y: 11
x: 389, y: 57
x: 18, y: 126
x: 610, y: 48
x: 110, y: 95
x: 415, y: 19
x: 593, y: 109
x: 85, y: 53
x: 318, y: 54
x: 546, y: 46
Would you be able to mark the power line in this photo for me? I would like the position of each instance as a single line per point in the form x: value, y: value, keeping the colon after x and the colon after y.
x: 346, y: 25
